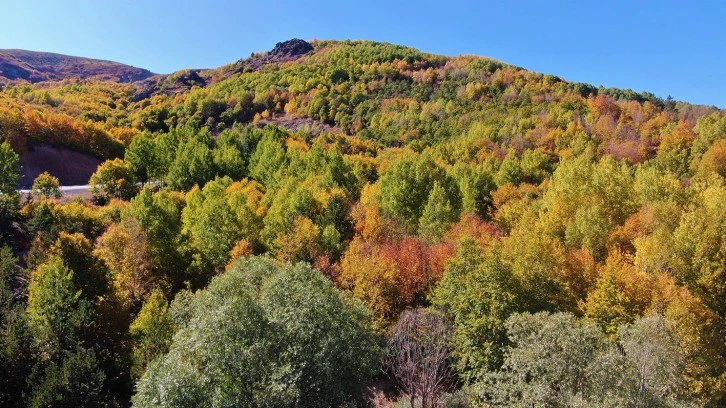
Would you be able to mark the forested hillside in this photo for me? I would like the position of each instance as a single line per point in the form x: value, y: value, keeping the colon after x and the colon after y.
x: 363, y: 224
x: 32, y: 66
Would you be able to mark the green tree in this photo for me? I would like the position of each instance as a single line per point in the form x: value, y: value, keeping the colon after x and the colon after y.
x: 68, y: 372
x: 193, y: 163
x: 47, y: 186
x: 268, y: 158
x: 479, y: 293
x: 264, y: 334
x: 438, y: 214
x: 405, y: 188
x: 557, y: 361
x: 74, y: 381
x: 114, y: 178
x: 152, y: 331
x: 232, y: 153
x: 510, y: 170
x: 699, y: 258
x: 90, y: 274
x: 9, y: 197
x: 165, y: 148
x: 9, y: 162
x: 547, y: 364
x: 651, y: 367
x: 16, y: 357
x: 159, y: 215
x: 291, y: 200
x: 210, y: 223
x: 589, y: 229
x: 475, y: 184
x: 142, y: 157
x: 57, y: 311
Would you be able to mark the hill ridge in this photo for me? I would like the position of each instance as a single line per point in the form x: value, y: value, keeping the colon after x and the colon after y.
x: 17, y: 65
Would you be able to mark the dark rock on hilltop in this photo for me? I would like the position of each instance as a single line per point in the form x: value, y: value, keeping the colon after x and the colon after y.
x: 31, y: 66
x: 285, y: 51
x: 291, y: 48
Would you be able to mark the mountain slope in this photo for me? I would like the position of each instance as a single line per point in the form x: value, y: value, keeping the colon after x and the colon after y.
x: 409, y: 179
x: 32, y: 66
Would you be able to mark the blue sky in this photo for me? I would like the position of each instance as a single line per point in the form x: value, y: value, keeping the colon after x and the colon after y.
x: 667, y: 47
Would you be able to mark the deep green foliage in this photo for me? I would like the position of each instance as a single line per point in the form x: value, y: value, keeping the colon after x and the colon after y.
x: 9, y: 198
x: 193, y: 163
x: 406, y: 186
x: 480, y: 293
x: 16, y: 358
x: 437, y: 215
x: 556, y: 361
x: 264, y: 335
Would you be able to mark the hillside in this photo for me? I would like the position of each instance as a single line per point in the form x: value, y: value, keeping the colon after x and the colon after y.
x: 32, y: 66
x: 312, y: 214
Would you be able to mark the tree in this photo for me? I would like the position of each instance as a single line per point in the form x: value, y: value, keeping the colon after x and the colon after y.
x: 547, y: 362
x: 438, y: 214
x: 152, y: 330
x: 159, y: 217
x: 56, y: 309
x: 699, y: 256
x: 300, y: 244
x: 193, y: 163
x: 9, y: 162
x: 232, y: 152
x: 268, y: 158
x: 654, y: 363
x: 714, y: 160
x: 405, y: 189
x: 264, y: 334
x: 210, y: 224
x: 16, y: 357
x: 419, y: 355
x: 475, y: 184
x: 68, y: 372
x: 47, y: 186
x: 113, y: 179
x: 510, y: 170
x: 90, y: 274
x: 125, y: 249
x: 141, y: 157
x: 479, y: 293
x: 370, y: 277
x: 74, y: 381
x: 557, y: 361
x: 9, y: 197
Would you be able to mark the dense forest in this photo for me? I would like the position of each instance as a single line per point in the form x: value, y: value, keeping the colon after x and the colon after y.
x: 340, y: 224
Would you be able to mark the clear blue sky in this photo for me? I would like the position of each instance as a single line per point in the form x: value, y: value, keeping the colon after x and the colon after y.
x: 667, y: 47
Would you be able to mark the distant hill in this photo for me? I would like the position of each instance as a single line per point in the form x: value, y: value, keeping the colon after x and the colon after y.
x: 32, y: 66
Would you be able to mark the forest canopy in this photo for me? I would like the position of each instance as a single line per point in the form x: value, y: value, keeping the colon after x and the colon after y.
x: 260, y: 232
